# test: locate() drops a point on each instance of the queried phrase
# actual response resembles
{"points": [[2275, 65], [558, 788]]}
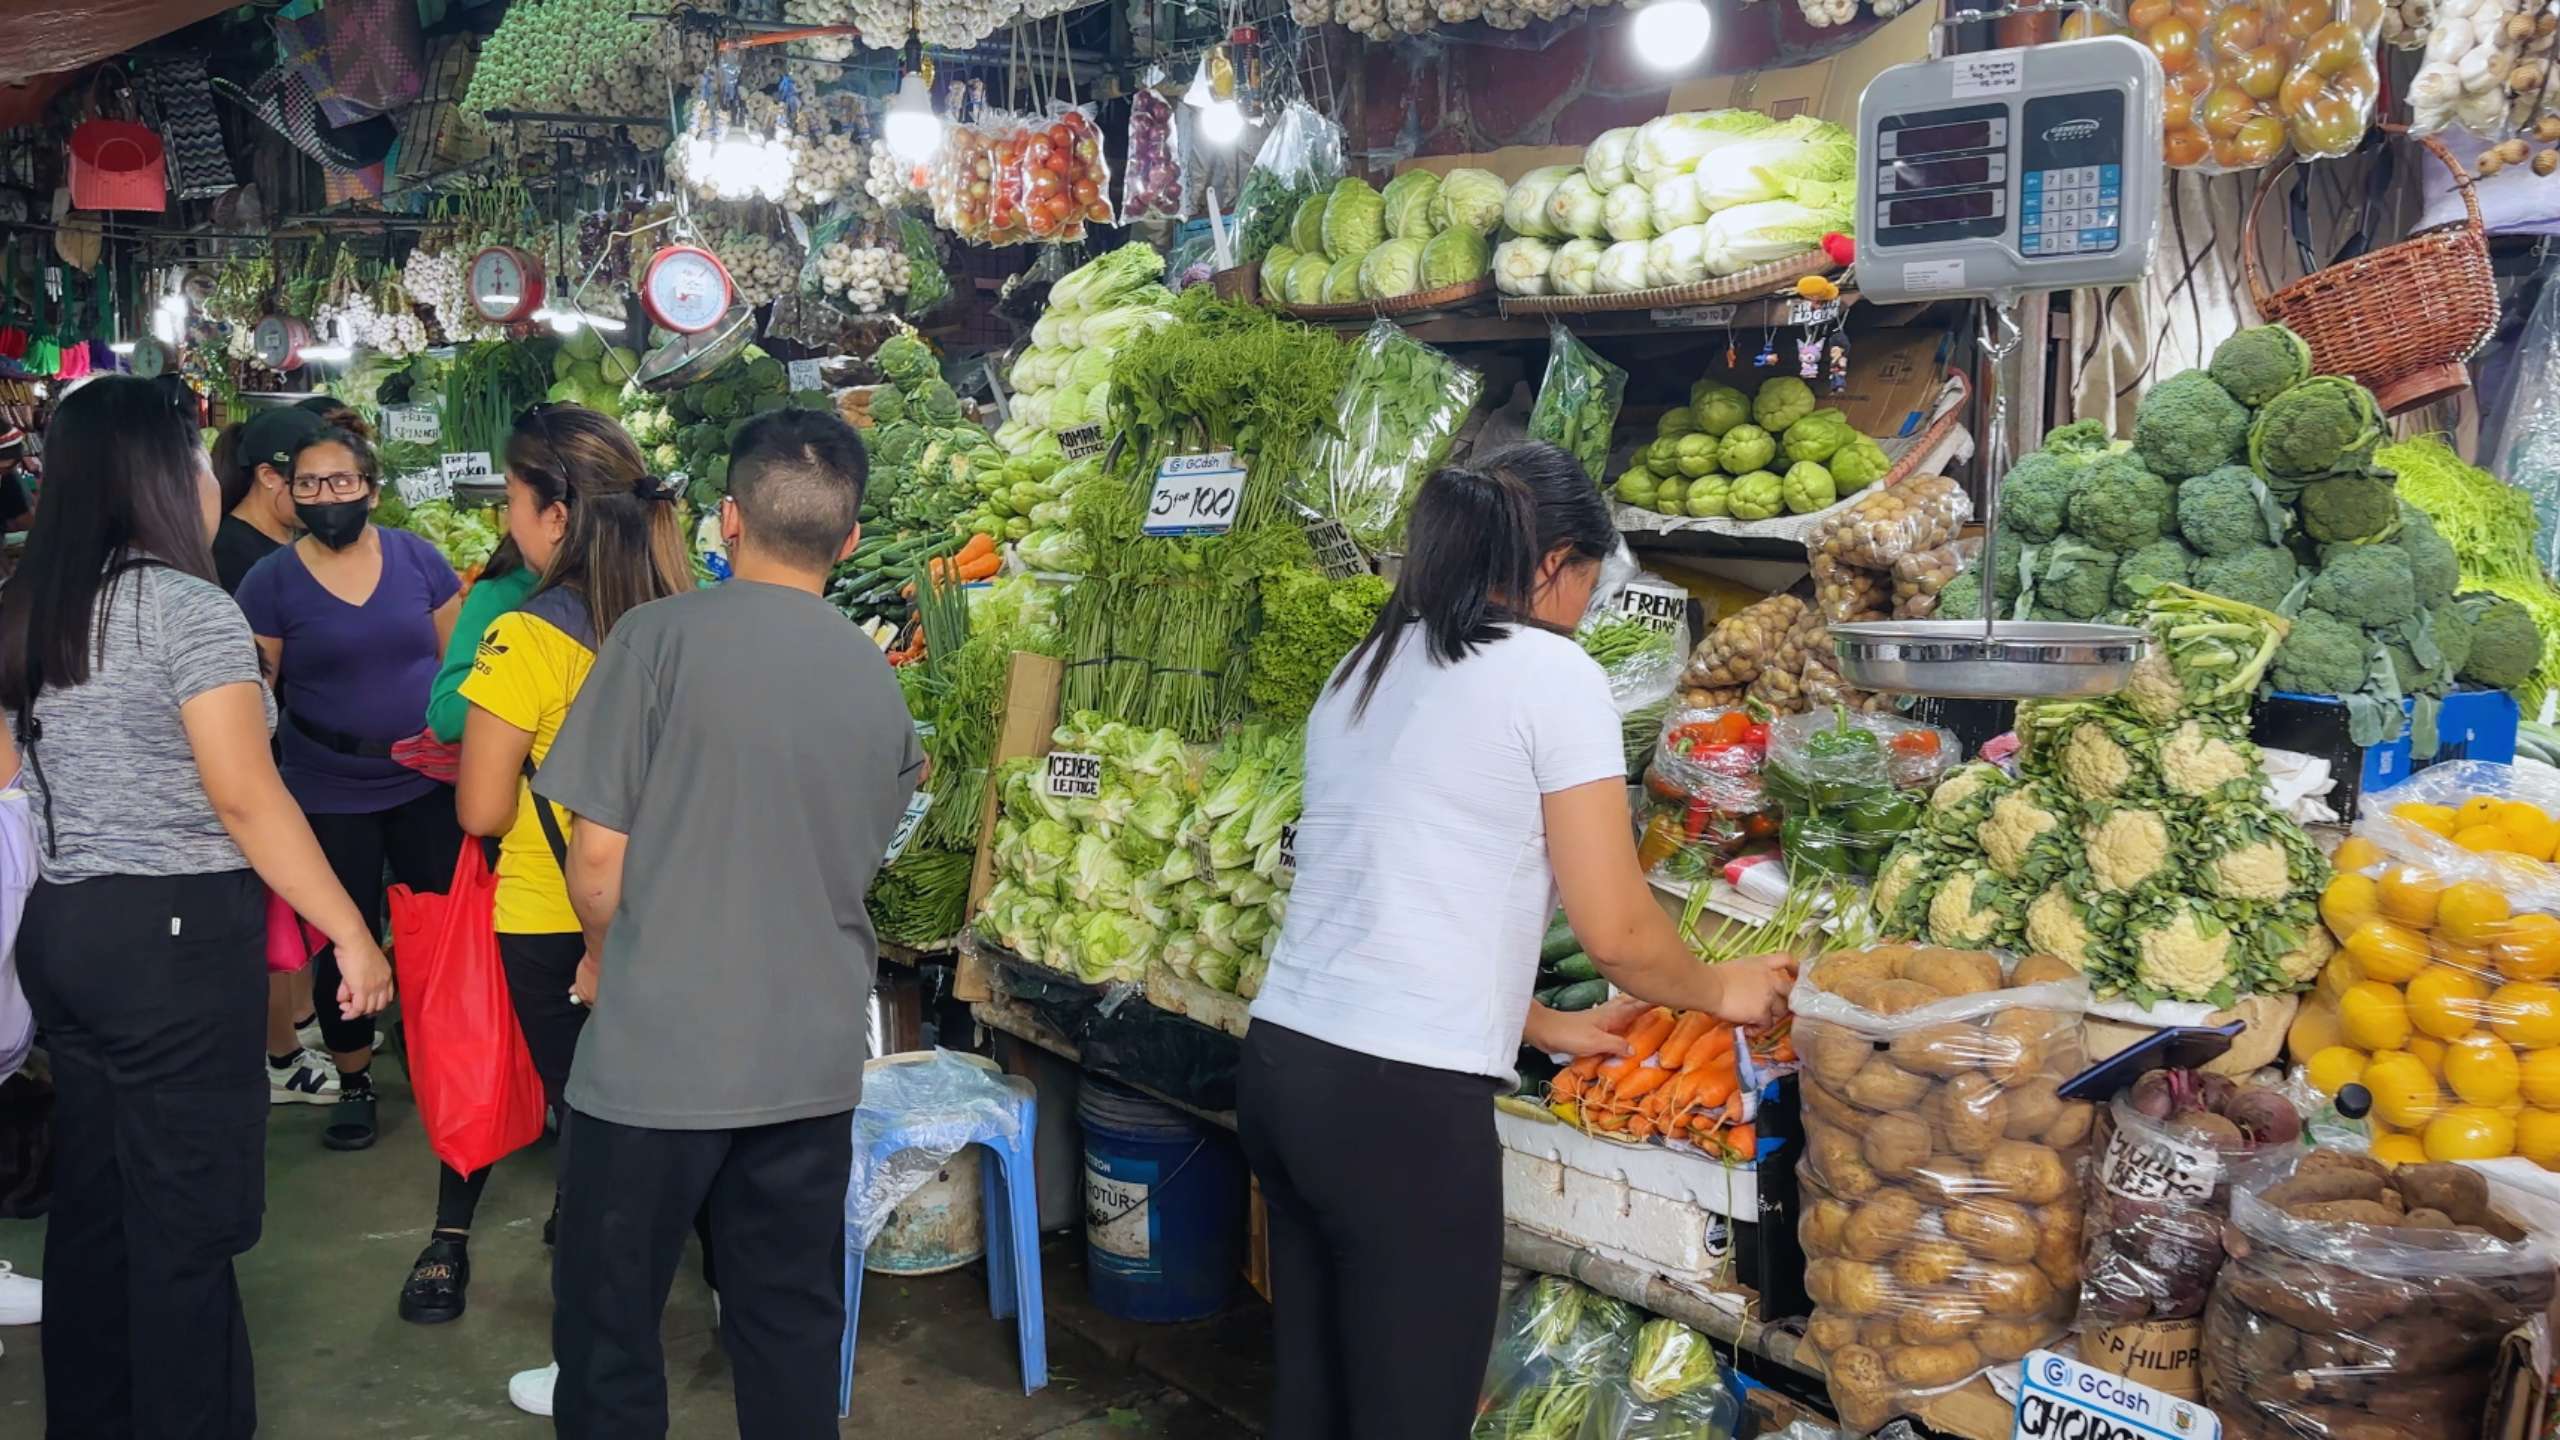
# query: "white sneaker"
{"points": [[308, 1033], [306, 1079], [530, 1390], [21, 1297]]}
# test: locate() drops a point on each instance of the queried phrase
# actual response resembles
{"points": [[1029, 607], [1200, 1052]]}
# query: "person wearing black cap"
{"points": [[253, 459]]}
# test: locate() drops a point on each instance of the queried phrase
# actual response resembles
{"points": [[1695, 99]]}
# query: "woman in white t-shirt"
{"points": [[1463, 767]]}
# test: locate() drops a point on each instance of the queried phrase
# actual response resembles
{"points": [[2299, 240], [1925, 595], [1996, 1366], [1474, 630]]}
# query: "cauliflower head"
{"points": [[2302, 964], [2197, 761], [1968, 788], [1901, 892], [2154, 691], [2181, 950], [2126, 847], [1970, 909], [2056, 926], [2092, 763], [2258, 870], [2019, 820]]}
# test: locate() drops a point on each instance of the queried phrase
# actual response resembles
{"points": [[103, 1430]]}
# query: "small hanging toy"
{"points": [[1839, 362]]}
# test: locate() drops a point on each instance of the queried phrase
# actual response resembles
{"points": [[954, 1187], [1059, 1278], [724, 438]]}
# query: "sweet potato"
{"points": [[2459, 1192], [1953, 972]]}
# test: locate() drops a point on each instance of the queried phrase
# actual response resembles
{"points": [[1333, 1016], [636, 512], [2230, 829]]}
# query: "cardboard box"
{"points": [[1829, 87], [1510, 162], [1894, 379], [2163, 1354], [1031, 685], [2520, 1388]]}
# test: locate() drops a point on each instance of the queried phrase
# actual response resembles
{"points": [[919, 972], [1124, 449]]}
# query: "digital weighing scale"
{"points": [[2001, 175]]}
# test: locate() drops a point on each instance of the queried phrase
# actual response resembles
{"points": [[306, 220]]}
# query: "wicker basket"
{"points": [[1759, 280], [1443, 298], [2402, 320]]}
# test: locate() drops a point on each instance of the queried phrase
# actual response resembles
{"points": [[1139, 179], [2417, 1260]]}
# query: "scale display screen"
{"points": [[2002, 170]]}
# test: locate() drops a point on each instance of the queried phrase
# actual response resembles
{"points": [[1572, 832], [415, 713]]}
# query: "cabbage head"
{"points": [[1468, 200], [1355, 221], [1627, 213], [1605, 160], [1521, 265], [1342, 282], [1408, 200], [1393, 269], [1768, 166], [1766, 231], [1524, 209], [1306, 279], [1677, 257], [1576, 268], [1275, 272], [1306, 228], [1575, 208], [1622, 267], [1674, 202], [1674, 144], [1454, 257]]}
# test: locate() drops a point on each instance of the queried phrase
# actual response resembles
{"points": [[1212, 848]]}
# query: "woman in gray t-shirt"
{"points": [[131, 685]]}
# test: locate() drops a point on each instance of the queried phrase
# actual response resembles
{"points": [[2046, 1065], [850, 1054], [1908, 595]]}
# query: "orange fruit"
{"points": [[2373, 1016], [2469, 1132], [2408, 896], [2536, 834], [2482, 1070], [2428, 1049], [2341, 972], [2477, 810], [2355, 853], [2526, 1013], [2399, 1150], [2314, 1027], [2387, 952], [2528, 947], [2349, 900], [2404, 1094], [2485, 839], [2470, 912], [2436, 818], [2541, 1079], [2332, 1069], [2538, 1137], [2445, 1002]]}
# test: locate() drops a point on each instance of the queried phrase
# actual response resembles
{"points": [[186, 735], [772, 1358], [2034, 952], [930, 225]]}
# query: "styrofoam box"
{"points": [[1651, 1206]]}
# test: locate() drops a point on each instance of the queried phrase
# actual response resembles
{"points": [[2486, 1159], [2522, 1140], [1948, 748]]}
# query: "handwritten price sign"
{"points": [[1195, 495]]}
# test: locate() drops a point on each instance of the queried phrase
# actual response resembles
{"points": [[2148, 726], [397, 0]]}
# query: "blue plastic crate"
{"points": [[2470, 725]]}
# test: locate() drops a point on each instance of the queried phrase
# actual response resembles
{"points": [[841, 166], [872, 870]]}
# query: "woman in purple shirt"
{"points": [[352, 621]]}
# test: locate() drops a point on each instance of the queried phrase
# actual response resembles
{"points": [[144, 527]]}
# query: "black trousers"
{"points": [[776, 1199], [539, 971], [419, 840], [151, 993], [1386, 1240]]}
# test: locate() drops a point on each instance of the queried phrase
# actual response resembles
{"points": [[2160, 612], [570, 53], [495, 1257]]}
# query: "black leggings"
{"points": [[419, 840], [1386, 1240], [539, 971]]}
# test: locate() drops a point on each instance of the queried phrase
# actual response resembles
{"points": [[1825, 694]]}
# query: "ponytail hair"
{"points": [[1478, 536]]}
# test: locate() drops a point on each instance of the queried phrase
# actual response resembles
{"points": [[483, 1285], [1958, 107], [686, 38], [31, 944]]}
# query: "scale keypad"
{"points": [[2071, 210]]}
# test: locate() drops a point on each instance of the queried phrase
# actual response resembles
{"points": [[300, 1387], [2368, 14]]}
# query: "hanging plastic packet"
{"points": [[1151, 178], [1066, 183], [1577, 401], [1302, 157], [1395, 423]]}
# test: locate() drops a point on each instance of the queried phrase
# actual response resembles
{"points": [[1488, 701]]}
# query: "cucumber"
{"points": [[1577, 966], [1547, 997], [1558, 942], [1580, 996]]}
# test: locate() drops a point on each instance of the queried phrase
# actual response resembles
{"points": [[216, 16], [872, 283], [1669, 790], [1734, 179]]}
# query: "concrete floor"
{"points": [[334, 1360]]}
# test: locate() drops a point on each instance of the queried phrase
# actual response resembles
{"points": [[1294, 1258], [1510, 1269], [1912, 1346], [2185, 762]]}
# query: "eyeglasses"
{"points": [[345, 484]]}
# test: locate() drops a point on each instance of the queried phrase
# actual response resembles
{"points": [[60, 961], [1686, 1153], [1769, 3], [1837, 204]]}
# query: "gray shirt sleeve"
{"points": [[600, 760], [203, 639]]}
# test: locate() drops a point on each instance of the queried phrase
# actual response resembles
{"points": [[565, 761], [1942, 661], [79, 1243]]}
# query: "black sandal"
{"points": [[351, 1122], [437, 1281]]}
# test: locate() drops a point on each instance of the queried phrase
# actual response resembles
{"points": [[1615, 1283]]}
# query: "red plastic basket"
{"points": [[118, 165]]}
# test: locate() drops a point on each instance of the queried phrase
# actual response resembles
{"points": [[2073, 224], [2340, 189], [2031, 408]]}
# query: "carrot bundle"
{"points": [[1681, 1079]]}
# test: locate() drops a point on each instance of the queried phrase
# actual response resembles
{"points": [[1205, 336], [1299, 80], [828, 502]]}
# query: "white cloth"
{"points": [[1422, 880]]}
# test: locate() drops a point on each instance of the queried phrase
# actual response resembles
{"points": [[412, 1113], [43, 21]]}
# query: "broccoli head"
{"points": [[2036, 494], [2226, 509], [2261, 575], [2121, 506], [888, 406], [2411, 676], [2365, 585], [2161, 560], [2012, 557], [2452, 628], [2076, 582], [1961, 597], [2321, 655], [2348, 507], [2322, 426], [2260, 363], [2505, 645], [2433, 567], [2080, 437], [2187, 425], [904, 359]]}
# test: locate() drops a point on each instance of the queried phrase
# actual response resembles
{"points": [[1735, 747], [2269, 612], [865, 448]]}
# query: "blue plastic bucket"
{"points": [[1164, 1207]]}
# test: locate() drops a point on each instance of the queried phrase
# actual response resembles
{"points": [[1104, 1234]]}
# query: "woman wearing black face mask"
{"points": [[352, 621]]}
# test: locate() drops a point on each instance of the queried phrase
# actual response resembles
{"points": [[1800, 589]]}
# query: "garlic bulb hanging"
{"points": [[761, 269], [862, 276]]}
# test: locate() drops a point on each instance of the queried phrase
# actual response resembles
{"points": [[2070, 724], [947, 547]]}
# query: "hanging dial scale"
{"points": [[685, 289], [505, 284]]}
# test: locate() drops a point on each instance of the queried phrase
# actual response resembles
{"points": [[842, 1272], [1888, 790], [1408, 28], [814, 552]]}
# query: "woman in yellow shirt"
{"points": [[602, 532]]}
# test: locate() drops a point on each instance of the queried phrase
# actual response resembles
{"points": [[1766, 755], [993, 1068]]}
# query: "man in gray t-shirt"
{"points": [[736, 762]]}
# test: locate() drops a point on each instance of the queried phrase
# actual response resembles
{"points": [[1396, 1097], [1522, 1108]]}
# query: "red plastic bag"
{"points": [[474, 1079]]}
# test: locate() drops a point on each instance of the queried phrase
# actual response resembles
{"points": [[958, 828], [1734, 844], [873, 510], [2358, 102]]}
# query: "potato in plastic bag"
{"points": [[1921, 574], [1743, 643], [1845, 592], [1888, 522]]}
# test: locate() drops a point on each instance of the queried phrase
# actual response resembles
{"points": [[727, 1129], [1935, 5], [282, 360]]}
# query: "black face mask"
{"points": [[336, 524]]}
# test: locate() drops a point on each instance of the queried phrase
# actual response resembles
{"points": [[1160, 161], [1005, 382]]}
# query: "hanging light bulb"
{"points": [[913, 131], [1221, 122], [1671, 33]]}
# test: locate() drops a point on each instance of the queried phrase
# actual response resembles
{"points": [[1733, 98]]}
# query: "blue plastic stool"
{"points": [[1012, 1206]]}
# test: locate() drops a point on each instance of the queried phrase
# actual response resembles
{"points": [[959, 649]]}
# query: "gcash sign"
{"points": [[2062, 1399]]}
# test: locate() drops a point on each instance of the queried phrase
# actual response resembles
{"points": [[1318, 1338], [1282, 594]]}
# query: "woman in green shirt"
{"points": [[505, 580]]}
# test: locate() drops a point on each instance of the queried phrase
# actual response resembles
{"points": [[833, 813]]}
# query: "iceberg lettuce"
{"points": [[1469, 200]]}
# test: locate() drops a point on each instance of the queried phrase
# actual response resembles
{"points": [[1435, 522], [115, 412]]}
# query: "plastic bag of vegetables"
{"points": [[1299, 160], [1577, 401], [1397, 416], [1558, 1342], [1151, 179]]}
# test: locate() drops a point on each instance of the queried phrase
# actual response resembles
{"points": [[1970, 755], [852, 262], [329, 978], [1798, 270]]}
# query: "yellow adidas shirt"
{"points": [[530, 665]]}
